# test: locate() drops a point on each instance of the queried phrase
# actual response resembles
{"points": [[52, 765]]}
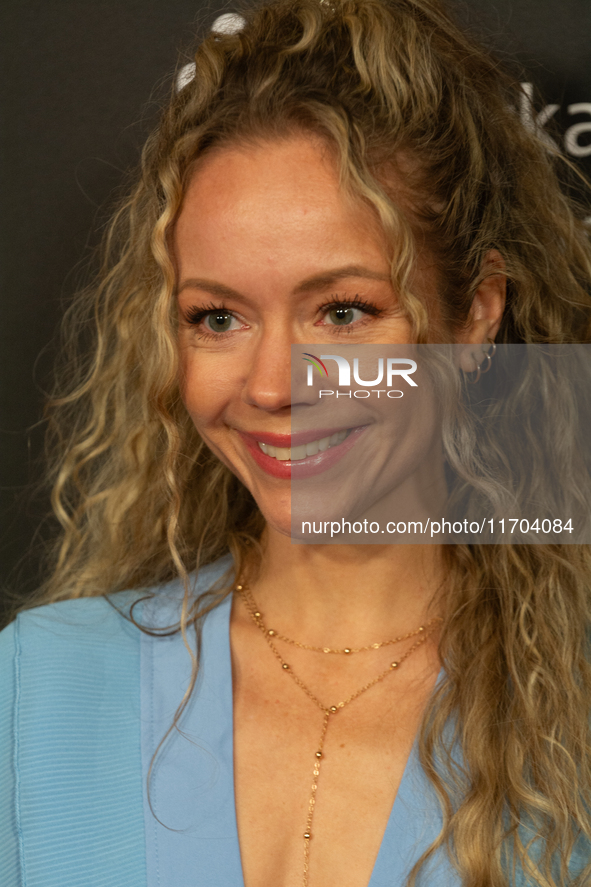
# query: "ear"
{"points": [[486, 312]]}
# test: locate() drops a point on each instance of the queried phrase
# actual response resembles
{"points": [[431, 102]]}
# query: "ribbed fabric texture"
{"points": [[71, 810], [9, 847]]}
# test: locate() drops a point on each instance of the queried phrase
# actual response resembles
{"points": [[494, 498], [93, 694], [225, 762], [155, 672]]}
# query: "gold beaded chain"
{"points": [[252, 609], [328, 710]]}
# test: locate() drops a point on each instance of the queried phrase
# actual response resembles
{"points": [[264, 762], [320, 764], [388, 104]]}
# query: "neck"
{"points": [[346, 594]]}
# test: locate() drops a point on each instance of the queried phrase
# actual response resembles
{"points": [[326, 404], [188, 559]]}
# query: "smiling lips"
{"points": [[303, 454], [295, 454]]}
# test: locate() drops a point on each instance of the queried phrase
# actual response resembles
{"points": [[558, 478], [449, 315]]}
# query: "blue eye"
{"points": [[219, 321], [343, 312], [212, 320], [344, 315]]}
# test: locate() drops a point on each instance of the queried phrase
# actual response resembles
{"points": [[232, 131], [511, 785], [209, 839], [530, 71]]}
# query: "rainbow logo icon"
{"points": [[315, 362]]}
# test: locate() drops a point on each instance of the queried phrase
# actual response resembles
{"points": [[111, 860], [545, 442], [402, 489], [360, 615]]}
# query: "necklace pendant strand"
{"points": [[270, 635], [312, 801]]}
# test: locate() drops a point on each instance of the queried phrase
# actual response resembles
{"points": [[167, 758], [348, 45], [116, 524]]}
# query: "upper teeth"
{"points": [[292, 454]]}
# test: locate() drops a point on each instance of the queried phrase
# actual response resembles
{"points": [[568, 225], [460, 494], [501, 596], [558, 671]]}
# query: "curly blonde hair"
{"points": [[141, 499]]}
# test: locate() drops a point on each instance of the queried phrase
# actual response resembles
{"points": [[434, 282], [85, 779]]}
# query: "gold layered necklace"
{"points": [[329, 711]]}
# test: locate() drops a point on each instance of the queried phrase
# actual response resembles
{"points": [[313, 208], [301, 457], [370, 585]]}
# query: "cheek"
{"points": [[208, 389], [201, 399]]}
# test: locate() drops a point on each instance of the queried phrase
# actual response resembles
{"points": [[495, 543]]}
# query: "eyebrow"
{"points": [[316, 281]]}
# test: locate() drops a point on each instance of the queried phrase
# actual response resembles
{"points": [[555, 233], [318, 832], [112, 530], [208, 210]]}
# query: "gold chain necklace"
{"points": [[328, 710], [254, 612]]}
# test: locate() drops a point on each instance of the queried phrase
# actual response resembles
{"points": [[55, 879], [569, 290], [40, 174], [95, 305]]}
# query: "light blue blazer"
{"points": [[85, 698]]}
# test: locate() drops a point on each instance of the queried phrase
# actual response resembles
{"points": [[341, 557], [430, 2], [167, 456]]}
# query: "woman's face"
{"points": [[270, 252]]}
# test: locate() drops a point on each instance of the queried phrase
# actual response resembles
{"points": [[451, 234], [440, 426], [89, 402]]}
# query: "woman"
{"points": [[352, 171]]}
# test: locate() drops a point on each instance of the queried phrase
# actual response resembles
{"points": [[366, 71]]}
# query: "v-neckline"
{"points": [[193, 778]]}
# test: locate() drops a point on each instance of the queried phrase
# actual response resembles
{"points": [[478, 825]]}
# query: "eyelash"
{"points": [[357, 302], [194, 315]]}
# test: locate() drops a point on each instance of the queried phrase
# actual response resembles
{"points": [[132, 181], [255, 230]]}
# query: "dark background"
{"points": [[81, 85]]}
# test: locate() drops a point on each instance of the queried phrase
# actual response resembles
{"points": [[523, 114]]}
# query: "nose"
{"points": [[268, 379], [269, 384]]}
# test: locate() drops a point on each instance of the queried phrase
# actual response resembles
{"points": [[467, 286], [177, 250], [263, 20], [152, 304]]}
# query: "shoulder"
{"points": [[68, 636], [63, 663], [70, 737], [59, 638], [87, 647], [163, 608]]}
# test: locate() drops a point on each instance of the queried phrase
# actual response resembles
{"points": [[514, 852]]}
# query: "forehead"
{"points": [[278, 203], [265, 169]]}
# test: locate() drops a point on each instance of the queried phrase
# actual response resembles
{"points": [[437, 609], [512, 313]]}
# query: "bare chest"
{"points": [[277, 734]]}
